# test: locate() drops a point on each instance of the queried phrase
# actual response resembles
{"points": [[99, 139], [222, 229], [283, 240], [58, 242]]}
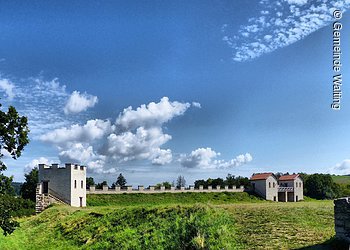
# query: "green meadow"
{"points": [[178, 221]]}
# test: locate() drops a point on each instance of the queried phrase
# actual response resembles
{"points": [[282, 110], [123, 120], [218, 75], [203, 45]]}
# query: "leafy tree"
{"points": [[321, 186], [230, 180], [6, 185], [13, 138], [166, 184], [28, 189], [242, 181], [100, 185], [121, 181], [180, 182], [198, 183], [90, 182], [7, 205]]}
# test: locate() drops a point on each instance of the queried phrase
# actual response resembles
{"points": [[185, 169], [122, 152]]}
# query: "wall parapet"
{"points": [[342, 218], [152, 190]]}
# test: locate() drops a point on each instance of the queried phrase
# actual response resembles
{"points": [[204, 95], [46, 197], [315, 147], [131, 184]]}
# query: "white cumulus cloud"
{"points": [[206, 158], [35, 163], [152, 114], [79, 102], [137, 134], [92, 130]]}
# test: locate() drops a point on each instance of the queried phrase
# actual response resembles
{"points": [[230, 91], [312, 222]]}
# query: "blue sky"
{"points": [[154, 89]]}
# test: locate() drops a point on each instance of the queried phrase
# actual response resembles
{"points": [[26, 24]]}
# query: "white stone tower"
{"points": [[61, 184]]}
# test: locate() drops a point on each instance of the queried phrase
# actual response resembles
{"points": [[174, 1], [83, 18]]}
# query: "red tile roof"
{"points": [[260, 176], [290, 177]]}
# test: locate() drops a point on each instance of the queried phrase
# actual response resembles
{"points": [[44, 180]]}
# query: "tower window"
{"points": [[75, 183], [82, 184], [269, 184]]}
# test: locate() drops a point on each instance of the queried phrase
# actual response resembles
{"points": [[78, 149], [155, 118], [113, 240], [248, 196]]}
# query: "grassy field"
{"points": [[341, 179], [177, 221]]}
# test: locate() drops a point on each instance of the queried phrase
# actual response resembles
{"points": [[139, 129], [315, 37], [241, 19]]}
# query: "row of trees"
{"points": [[230, 181], [121, 181]]}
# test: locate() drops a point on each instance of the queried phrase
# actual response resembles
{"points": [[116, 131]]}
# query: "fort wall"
{"points": [[342, 218], [153, 190]]}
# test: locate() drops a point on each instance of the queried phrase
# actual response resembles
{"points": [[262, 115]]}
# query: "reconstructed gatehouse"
{"points": [[285, 188]]}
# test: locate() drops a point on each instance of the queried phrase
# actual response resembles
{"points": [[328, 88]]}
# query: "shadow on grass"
{"points": [[332, 243]]}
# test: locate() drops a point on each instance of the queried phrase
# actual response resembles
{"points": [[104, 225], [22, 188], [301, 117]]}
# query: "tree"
{"points": [[230, 180], [121, 181], [165, 184], [28, 189], [321, 186], [100, 185], [90, 182], [180, 182], [13, 138], [6, 185]]}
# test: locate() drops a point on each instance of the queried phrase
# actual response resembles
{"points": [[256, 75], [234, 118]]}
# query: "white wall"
{"points": [[298, 191], [78, 174], [271, 190], [59, 181]]}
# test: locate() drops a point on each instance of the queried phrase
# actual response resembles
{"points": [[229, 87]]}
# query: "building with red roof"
{"points": [[285, 188]]}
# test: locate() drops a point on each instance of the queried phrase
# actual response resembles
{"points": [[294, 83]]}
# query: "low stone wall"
{"points": [[342, 218], [152, 190]]}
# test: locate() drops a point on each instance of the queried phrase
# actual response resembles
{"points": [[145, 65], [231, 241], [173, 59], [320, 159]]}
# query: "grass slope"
{"points": [[171, 227], [169, 198], [207, 221], [341, 179]]}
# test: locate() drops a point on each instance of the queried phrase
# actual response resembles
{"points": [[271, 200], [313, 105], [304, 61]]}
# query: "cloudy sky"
{"points": [[155, 89]]}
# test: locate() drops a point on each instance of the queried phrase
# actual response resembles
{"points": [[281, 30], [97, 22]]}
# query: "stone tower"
{"points": [[61, 184]]}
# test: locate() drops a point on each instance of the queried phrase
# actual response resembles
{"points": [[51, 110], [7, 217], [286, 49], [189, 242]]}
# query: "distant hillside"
{"points": [[17, 186], [341, 179]]}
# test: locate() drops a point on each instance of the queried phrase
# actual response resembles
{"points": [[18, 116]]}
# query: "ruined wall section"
{"points": [[342, 218]]}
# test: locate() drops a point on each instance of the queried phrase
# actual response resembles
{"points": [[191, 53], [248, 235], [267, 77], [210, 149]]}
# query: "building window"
{"points": [[75, 183], [82, 184], [300, 184], [269, 184], [273, 184]]}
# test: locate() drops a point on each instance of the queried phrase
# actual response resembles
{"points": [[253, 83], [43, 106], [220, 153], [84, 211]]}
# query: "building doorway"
{"points": [[296, 198], [45, 187], [81, 201]]}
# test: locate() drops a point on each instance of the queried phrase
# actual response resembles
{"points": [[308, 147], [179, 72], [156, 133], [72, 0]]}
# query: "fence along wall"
{"points": [[342, 218], [152, 190]]}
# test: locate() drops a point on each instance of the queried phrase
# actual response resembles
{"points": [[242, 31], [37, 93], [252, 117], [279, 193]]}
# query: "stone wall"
{"points": [[42, 201], [152, 190], [342, 218]]}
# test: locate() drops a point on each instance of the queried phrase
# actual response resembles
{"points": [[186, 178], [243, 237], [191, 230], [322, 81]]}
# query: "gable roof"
{"points": [[290, 177], [261, 176]]}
